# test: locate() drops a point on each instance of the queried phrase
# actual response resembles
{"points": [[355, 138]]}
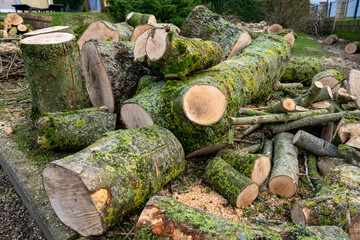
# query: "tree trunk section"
{"points": [[74, 130], [111, 72], [353, 47], [329, 78], [52, 63], [254, 166], [13, 19], [325, 164], [331, 39], [350, 154], [92, 190], [337, 203], [140, 29], [239, 190], [251, 112], [301, 71], [354, 85], [284, 175], [175, 56], [280, 86], [134, 19], [204, 24]]}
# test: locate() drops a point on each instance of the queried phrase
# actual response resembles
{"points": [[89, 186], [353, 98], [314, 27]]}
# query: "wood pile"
{"points": [[178, 92], [13, 25]]}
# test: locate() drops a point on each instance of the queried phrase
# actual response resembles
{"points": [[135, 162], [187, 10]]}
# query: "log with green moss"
{"points": [[280, 86], [93, 189], [313, 172], [353, 47], [325, 164], [175, 56], [106, 31], [337, 203], [350, 154], [134, 19], [74, 130], [333, 38], [111, 73], [238, 189], [329, 77], [254, 166], [53, 69], [301, 71], [166, 218], [196, 109], [284, 175], [204, 24]]}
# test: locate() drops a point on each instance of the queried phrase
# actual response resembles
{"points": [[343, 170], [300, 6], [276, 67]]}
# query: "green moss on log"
{"points": [[134, 19], [301, 70], [314, 175]]}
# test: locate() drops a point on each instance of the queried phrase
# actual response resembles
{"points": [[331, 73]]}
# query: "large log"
{"points": [[175, 56], [111, 73], [93, 189], [329, 78], [284, 175], [204, 24], [350, 154], [254, 166], [338, 202], [239, 190], [74, 130], [301, 70], [166, 218], [106, 31], [134, 19], [353, 47], [53, 69]]}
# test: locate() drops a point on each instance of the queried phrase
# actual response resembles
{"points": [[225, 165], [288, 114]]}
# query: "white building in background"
{"points": [[5, 5]]}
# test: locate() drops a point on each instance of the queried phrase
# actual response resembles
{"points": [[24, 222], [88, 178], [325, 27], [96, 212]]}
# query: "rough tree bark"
{"points": [[111, 73], [350, 154], [314, 175], [74, 130], [52, 63], [93, 189], [300, 70]]}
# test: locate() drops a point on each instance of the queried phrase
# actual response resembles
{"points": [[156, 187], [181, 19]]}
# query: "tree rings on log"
{"points": [[331, 39], [275, 28], [329, 78], [290, 38], [350, 134], [103, 30], [353, 47], [46, 30], [13, 19], [139, 30]]}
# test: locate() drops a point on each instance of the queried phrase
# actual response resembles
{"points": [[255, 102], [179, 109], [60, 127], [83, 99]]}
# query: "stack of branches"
{"points": [[12, 26], [11, 62]]}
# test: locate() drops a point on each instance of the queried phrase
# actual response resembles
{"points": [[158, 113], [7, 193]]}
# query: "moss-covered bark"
{"points": [[350, 154], [331, 39], [301, 70], [55, 76], [314, 175], [337, 203], [93, 189], [75, 130], [134, 19], [166, 218]]}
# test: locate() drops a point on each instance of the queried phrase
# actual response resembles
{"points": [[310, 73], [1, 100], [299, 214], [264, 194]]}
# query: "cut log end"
{"points": [[351, 48], [289, 104], [328, 41], [283, 186], [297, 136], [261, 170], [140, 45], [50, 38], [22, 28], [350, 134], [152, 19], [97, 81], [46, 30], [72, 201], [275, 28], [134, 116], [290, 38], [139, 30], [204, 104], [13, 19], [247, 196], [297, 214], [157, 43], [243, 41]]}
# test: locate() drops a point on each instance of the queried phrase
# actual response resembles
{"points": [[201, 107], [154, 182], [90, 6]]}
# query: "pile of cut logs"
{"points": [[13, 26], [178, 91], [351, 48]]}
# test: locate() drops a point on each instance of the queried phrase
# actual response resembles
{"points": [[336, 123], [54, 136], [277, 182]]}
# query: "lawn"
{"points": [[306, 46]]}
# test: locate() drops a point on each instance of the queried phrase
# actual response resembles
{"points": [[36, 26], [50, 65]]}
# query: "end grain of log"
{"points": [[325, 164], [275, 28], [13, 19], [46, 30], [353, 47], [350, 134], [329, 78], [283, 106], [331, 39]]}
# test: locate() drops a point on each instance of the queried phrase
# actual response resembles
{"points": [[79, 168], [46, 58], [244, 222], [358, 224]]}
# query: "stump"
{"points": [[93, 189], [52, 63]]}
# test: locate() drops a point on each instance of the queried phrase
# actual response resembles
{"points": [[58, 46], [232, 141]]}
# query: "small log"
{"points": [[284, 175], [354, 85], [268, 151], [92, 190], [248, 131], [310, 97], [103, 30], [134, 19], [350, 134], [314, 175], [175, 56], [353, 47], [47, 30], [290, 38], [254, 166], [111, 73], [52, 61], [251, 149], [325, 94], [324, 105], [74, 130], [13, 32], [251, 112], [331, 39], [283, 106], [350, 154], [342, 96], [160, 219], [239, 190], [301, 71], [13, 19], [275, 28], [325, 164], [315, 145], [204, 24], [329, 78], [279, 86], [337, 202], [21, 28], [140, 29], [281, 117]]}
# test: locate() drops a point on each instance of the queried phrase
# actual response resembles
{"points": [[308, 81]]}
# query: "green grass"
{"points": [[307, 46]]}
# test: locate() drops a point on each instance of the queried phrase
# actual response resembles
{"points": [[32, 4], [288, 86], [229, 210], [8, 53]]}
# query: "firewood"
{"points": [[21, 28], [204, 24], [343, 96], [331, 39], [55, 66], [314, 175], [93, 189], [279, 86], [74, 130], [254, 166], [175, 56], [329, 78], [315, 145], [251, 149], [103, 30], [350, 134], [268, 151], [353, 47], [134, 19], [13, 19], [160, 219], [301, 71], [111, 73], [337, 202], [47, 30], [354, 85], [239, 190], [325, 94], [284, 175], [139, 30], [275, 28], [325, 164], [310, 97]]}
